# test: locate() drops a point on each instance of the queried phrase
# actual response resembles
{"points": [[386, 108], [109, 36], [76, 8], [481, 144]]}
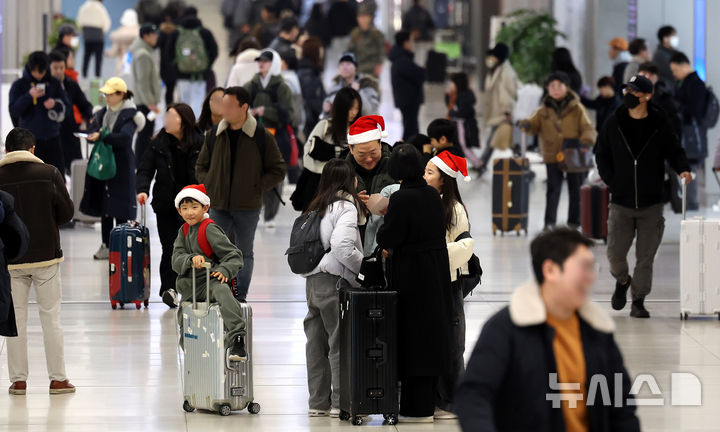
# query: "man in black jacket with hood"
{"points": [[407, 82], [630, 152]]}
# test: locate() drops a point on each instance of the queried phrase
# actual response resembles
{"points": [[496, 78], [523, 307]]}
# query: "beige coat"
{"points": [[573, 123], [459, 252], [500, 93]]}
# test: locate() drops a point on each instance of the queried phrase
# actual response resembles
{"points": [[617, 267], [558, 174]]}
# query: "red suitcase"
{"points": [[594, 210]]}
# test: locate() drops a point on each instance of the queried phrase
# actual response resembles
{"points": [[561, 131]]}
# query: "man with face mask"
{"points": [[631, 150], [667, 47]]}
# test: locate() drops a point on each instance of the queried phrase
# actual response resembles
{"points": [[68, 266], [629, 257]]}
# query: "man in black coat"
{"points": [[407, 82], [14, 241], [691, 97], [70, 143], [550, 334], [631, 151]]}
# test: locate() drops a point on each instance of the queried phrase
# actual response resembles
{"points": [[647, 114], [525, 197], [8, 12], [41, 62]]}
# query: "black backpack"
{"points": [[306, 249], [712, 110], [471, 280]]}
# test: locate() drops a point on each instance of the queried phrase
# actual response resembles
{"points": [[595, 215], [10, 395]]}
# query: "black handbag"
{"points": [[372, 272], [574, 158], [468, 282]]}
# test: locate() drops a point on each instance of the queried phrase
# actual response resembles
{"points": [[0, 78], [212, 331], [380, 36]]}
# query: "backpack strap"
{"points": [[202, 236]]}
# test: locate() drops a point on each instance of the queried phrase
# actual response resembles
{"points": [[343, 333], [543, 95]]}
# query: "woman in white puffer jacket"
{"points": [[342, 212]]}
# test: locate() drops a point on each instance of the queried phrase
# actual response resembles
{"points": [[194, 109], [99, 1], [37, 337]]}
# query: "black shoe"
{"points": [[237, 352], [619, 297], [638, 309], [170, 298]]}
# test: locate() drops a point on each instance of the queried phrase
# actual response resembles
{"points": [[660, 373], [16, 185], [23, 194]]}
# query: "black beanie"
{"points": [[501, 52]]}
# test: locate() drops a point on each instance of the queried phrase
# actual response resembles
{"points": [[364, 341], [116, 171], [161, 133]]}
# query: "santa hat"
{"points": [[453, 166], [366, 129], [196, 192]]}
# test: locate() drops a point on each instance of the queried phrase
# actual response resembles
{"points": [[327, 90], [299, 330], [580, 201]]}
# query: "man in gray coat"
{"points": [[147, 83]]}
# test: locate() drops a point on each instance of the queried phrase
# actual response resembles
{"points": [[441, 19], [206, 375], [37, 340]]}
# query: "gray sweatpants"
{"points": [[322, 350], [625, 224]]}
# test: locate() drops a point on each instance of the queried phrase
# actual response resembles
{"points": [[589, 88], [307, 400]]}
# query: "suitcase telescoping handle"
{"points": [[143, 213], [684, 197], [206, 266]]}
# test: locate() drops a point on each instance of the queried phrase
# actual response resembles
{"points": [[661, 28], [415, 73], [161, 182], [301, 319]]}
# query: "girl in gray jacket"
{"points": [[342, 212]]}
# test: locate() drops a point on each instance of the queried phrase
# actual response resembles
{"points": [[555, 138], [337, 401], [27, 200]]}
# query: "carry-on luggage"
{"points": [[594, 210], [130, 263], [511, 193], [699, 269], [78, 169], [436, 66], [368, 355], [212, 382]]}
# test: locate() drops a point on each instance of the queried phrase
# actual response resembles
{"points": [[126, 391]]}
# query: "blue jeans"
{"points": [[240, 225]]}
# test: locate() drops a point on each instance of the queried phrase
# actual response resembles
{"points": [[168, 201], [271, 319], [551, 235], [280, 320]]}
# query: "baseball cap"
{"points": [[66, 29], [619, 43], [640, 84], [114, 85], [265, 56], [348, 56], [148, 28]]}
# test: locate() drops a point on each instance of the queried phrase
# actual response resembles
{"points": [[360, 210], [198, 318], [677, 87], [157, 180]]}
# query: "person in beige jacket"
{"points": [[501, 88], [441, 172], [561, 117]]}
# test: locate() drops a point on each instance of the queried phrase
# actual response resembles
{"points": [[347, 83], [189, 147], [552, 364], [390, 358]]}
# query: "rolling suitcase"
{"points": [[594, 210], [130, 263], [211, 381], [368, 355], [436, 66], [78, 169], [699, 270], [511, 193]]}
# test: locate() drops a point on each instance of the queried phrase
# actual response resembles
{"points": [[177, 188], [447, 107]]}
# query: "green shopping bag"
{"points": [[102, 160]]}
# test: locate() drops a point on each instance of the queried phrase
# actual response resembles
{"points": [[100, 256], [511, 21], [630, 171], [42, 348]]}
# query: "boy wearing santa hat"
{"points": [[201, 240]]}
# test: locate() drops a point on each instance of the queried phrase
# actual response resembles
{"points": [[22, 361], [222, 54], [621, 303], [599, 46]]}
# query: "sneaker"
{"points": [[237, 352], [318, 413], [102, 253], [441, 414], [170, 298], [18, 388], [619, 297], [270, 224], [334, 412], [638, 309], [61, 387], [403, 419]]}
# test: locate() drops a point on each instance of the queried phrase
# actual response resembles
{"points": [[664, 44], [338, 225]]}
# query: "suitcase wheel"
{"points": [[391, 419], [344, 416], [146, 303], [225, 410], [122, 305], [357, 421], [684, 316], [113, 305], [138, 305], [187, 407], [254, 408]]}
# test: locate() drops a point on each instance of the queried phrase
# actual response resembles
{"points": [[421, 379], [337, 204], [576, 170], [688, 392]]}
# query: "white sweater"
{"points": [[339, 232], [93, 14], [461, 251]]}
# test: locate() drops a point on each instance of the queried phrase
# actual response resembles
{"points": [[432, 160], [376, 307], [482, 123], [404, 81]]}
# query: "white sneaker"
{"points": [[318, 413], [441, 414], [270, 224], [102, 253], [170, 298], [335, 412], [403, 419]]}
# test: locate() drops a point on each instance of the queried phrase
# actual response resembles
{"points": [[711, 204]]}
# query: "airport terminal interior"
{"points": [[128, 368]]}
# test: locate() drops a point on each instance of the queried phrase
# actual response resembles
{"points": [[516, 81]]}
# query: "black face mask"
{"points": [[631, 101]]}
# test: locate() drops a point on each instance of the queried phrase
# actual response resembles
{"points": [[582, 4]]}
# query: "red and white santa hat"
{"points": [[196, 192], [366, 129], [453, 166]]}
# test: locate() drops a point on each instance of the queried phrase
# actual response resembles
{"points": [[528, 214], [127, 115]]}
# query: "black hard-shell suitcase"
{"points": [[368, 354], [510, 195], [436, 67]]}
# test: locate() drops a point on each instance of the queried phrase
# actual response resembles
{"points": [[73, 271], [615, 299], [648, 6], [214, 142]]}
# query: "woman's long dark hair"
{"points": [[205, 121], [187, 122], [450, 195], [338, 175], [562, 61], [344, 100]]}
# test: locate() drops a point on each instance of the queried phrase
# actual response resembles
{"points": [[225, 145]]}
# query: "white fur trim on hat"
{"points": [[194, 194], [367, 136], [442, 166]]}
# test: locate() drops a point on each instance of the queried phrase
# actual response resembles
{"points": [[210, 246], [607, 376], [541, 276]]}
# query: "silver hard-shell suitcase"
{"points": [[211, 381]]}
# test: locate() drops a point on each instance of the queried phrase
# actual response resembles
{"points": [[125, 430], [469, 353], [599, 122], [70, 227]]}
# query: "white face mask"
{"points": [[490, 62], [75, 42], [674, 41]]}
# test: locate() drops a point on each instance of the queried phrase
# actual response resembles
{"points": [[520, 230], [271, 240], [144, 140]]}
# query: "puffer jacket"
{"points": [[320, 148], [459, 252], [339, 232], [572, 123], [501, 93], [30, 113], [369, 89]]}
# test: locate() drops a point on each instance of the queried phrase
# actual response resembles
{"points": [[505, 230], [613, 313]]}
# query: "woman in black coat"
{"points": [[414, 233], [170, 160], [114, 200], [14, 241]]}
